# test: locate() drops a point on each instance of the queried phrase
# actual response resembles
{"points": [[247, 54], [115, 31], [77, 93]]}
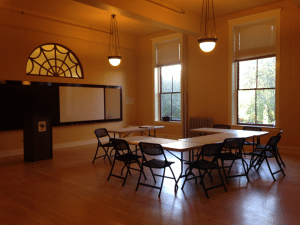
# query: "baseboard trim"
{"points": [[57, 146]]}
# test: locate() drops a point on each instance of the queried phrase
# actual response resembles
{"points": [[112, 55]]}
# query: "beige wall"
{"points": [[208, 77], [21, 34]]}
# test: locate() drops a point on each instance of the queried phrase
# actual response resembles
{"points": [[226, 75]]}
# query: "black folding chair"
{"points": [[232, 151], [151, 152], [269, 151], [208, 151], [124, 154], [253, 143], [100, 134], [261, 147], [222, 126]]}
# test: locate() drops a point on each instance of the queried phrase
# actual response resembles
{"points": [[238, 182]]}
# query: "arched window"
{"points": [[55, 61]]}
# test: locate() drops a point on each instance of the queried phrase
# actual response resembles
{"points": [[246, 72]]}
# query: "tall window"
{"points": [[256, 91], [168, 80], [255, 71]]}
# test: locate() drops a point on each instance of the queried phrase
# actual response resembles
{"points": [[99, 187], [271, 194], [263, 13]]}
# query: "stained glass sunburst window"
{"points": [[55, 61]]}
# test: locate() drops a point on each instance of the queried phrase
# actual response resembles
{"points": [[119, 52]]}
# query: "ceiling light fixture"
{"points": [[114, 56], [207, 38]]}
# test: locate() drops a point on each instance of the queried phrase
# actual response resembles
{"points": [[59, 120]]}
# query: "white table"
{"points": [[131, 129]]}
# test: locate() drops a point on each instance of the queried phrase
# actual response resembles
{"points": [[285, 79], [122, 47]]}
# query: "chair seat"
{"points": [[229, 156], [128, 157], [156, 163], [107, 144], [268, 154], [250, 143], [261, 146], [202, 164]]}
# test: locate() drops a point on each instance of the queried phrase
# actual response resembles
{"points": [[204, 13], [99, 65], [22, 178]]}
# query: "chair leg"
{"points": [[279, 164], [270, 169], [203, 185], [140, 165], [128, 166], [111, 168], [246, 170], [96, 154], [176, 186], [222, 178], [162, 182], [186, 177], [230, 166], [106, 154], [139, 177], [224, 171], [280, 159]]}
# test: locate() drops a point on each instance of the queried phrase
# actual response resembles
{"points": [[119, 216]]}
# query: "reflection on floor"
{"points": [[69, 189]]}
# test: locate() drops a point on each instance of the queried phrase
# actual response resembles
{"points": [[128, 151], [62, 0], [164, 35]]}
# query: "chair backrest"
{"points": [[279, 133], [101, 132], [211, 150], [222, 126], [252, 128], [120, 145], [272, 143], [234, 143], [151, 148]]}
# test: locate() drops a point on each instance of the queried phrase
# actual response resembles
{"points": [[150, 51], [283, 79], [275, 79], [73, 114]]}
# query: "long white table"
{"points": [[131, 129]]}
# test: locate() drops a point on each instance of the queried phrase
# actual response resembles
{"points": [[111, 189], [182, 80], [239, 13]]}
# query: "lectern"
{"points": [[37, 138]]}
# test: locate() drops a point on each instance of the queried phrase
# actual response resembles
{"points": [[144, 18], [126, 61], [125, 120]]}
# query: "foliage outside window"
{"points": [[55, 61], [256, 91], [170, 91]]}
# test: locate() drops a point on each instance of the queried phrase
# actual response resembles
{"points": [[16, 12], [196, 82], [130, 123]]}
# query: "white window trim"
{"points": [[183, 44], [232, 94]]}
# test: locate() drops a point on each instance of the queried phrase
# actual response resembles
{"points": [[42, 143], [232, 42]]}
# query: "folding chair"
{"points": [[124, 154], [261, 147], [253, 144], [232, 151], [269, 151], [209, 150], [100, 134], [151, 152]]}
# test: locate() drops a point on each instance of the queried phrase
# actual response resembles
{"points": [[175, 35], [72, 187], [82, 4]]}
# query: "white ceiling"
{"points": [[99, 17]]}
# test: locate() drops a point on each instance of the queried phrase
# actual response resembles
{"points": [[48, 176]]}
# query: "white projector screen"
{"points": [[81, 104]]}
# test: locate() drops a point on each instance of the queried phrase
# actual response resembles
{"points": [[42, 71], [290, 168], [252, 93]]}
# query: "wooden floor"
{"points": [[69, 189]]}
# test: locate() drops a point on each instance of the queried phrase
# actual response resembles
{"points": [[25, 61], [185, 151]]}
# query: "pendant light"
{"points": [[114, 56], [207, 38]]}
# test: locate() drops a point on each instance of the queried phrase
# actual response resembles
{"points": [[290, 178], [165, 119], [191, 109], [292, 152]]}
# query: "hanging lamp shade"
{"points": [[207, 38], [114, 56]]}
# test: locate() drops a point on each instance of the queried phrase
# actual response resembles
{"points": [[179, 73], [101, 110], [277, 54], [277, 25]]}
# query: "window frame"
{"points": [[232, 84], [255, 89], [159, 69]]}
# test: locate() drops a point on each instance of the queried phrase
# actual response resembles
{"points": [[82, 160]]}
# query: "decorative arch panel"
{"points": [[54, 60]]}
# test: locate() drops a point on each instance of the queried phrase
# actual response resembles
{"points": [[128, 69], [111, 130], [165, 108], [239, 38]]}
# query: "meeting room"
{"points": [[149, 112]]}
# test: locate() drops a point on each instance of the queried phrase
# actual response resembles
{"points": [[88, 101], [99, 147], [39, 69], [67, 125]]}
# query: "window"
{"points": [[256, 91], [170, 91], [254, 70], [167, 72], [54, 60]]}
